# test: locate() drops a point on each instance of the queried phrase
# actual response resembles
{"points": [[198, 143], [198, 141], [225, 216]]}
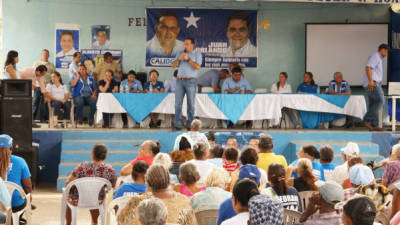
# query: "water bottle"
{"points": [[151, 88]]}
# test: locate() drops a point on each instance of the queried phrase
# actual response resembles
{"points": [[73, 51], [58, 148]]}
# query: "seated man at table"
{"points": [[84, 91], [108, 85], [236, 84], [130, 85], [211, 79], [338, 86], [154, 86]]}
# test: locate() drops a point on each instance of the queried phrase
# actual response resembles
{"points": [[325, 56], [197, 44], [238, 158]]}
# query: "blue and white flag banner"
{"points": [[221, 35]]}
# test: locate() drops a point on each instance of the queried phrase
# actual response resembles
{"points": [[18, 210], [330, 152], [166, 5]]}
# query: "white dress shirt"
{"points": [[285, 89]]}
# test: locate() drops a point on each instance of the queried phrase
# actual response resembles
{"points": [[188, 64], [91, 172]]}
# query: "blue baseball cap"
{"points": [[250, 171], [361, 174], [5, 141]]}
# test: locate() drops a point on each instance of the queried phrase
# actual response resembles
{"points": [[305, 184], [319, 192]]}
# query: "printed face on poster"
{"points": [[221, 35], [67, 43], [101, 37]]}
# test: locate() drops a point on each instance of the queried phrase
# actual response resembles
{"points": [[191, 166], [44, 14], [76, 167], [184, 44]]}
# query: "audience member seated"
{"points": [[308, 86], [189, 177], [341, 172], [311, 153], [282, 87], [152, 212], [215, 156], [58, 94], [147, 152], [129, 85], [392, 170], [232, 142], [359, 210], [211, 138], [306, 179], [211, 78], [108, 85], [211, 198], [353, 161], [242, 192], [10, 66], [247, 172], [288, 196], [84, 91], [170, 84], [180, 156], [324, 202], [138, 186], [204, 167], [338, 86], [164, 160], [236, 84], [230, 160], [194, 135], [178, 205], [22, 176], [249, 156], [108, 64], [253, 142], [359, 175], [266, 156], [96, 168], [326, 157], [154, 86], [265, 210]]}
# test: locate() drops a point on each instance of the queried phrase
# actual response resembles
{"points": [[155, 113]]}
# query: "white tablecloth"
{"points": [[263, 106]]}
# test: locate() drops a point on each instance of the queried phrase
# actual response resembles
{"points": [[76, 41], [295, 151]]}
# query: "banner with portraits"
{"points": [[101, 37], [92, 57], [221, 35], [67, 43]]}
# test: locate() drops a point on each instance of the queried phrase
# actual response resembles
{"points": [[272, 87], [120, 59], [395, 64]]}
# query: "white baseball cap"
{"points": [[351, 149]]}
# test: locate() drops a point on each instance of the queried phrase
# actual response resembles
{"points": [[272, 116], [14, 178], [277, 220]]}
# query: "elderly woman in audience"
{"points": [[243, 191], [308, 86], [306, 179], [183, 154], [178, 205], [108, 85], [215, 156], [10, 66], [230, 160], [289, 196], [189, 176], [211, 198], [265, 210], [194, 135], [154, 86], [58, 94], [360, 210], [95, 168], [163, 159], [138, 186], [204, 167], [152, 212], [392, 170], [353, 161], [359, 175], [147, 152]]}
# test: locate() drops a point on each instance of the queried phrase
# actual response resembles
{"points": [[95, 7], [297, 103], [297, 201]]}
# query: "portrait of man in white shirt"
{"points": [[66, 43]]}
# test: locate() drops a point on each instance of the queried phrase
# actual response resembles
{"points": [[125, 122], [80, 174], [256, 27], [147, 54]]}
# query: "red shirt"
{"points": [[230, 167], [148, 160]]}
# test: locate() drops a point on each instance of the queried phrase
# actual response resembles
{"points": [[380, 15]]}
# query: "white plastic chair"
{"points": [[15, 216], [291, 217], [88, 189], [7, 211], [121, 203]]}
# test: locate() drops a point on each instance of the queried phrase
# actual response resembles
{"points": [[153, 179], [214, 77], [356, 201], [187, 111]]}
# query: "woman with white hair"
{"points": [[211, 198], [152, 212], [392, 170], [201, 151], [164, 160]]}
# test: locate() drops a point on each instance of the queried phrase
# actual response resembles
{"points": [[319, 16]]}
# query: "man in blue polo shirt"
{"points": [[188, 63], [236, 84], [211, 78], [373, 85]]}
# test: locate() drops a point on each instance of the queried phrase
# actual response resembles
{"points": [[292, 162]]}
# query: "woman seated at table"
{"points": [[108, 85], [154, 86], [129, 85], [57, 92], [308, 86], [282, 87]]}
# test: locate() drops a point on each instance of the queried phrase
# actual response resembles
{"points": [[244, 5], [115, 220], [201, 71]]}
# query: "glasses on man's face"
{"points": [[163, 27], [241, 29]]}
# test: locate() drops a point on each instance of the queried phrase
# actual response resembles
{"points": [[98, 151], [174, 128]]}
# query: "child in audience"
{"points": [[138, 185], [230, 159], [189, 176]]}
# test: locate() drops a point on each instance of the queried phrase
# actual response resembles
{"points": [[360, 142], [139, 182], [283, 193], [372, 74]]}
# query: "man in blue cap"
{"points": [[5, 198]]}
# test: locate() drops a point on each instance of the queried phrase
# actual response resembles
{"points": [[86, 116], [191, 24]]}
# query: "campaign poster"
{"points": [[92, 57], [101, 37], [67, 43], [221, 35]]}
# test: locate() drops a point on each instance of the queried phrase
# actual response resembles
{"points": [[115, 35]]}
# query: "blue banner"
{"points": [[92, 57], [67, 43], [221, 35]]}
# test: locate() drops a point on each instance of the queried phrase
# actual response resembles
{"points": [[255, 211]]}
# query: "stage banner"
{"points": [[221, 35], [92, 57], [67, 43]]}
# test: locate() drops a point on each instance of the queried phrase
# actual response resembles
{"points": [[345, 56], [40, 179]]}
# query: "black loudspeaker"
{"points": [[142, 77], [30, 154], [16, 119], [16, 88]]}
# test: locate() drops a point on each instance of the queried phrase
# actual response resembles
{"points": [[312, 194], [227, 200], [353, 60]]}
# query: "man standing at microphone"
{"points": [[188, 63]]}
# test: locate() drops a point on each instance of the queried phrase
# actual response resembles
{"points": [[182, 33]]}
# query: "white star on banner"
{"points": [[192, 20]]}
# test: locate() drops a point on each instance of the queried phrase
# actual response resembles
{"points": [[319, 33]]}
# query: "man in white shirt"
{"points": [[203, 166], [73, 66], [193, 136], [238, 32], [341, 172], [66, 43]]}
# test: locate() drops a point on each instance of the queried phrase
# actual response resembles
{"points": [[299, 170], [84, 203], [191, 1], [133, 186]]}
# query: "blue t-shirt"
{"points": [[130, 189], [318, 171], [125, 87], [305, 88], [328, 170], [19, 171], [230, 84], [226, 211], [185, 69], [158, 85]]}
